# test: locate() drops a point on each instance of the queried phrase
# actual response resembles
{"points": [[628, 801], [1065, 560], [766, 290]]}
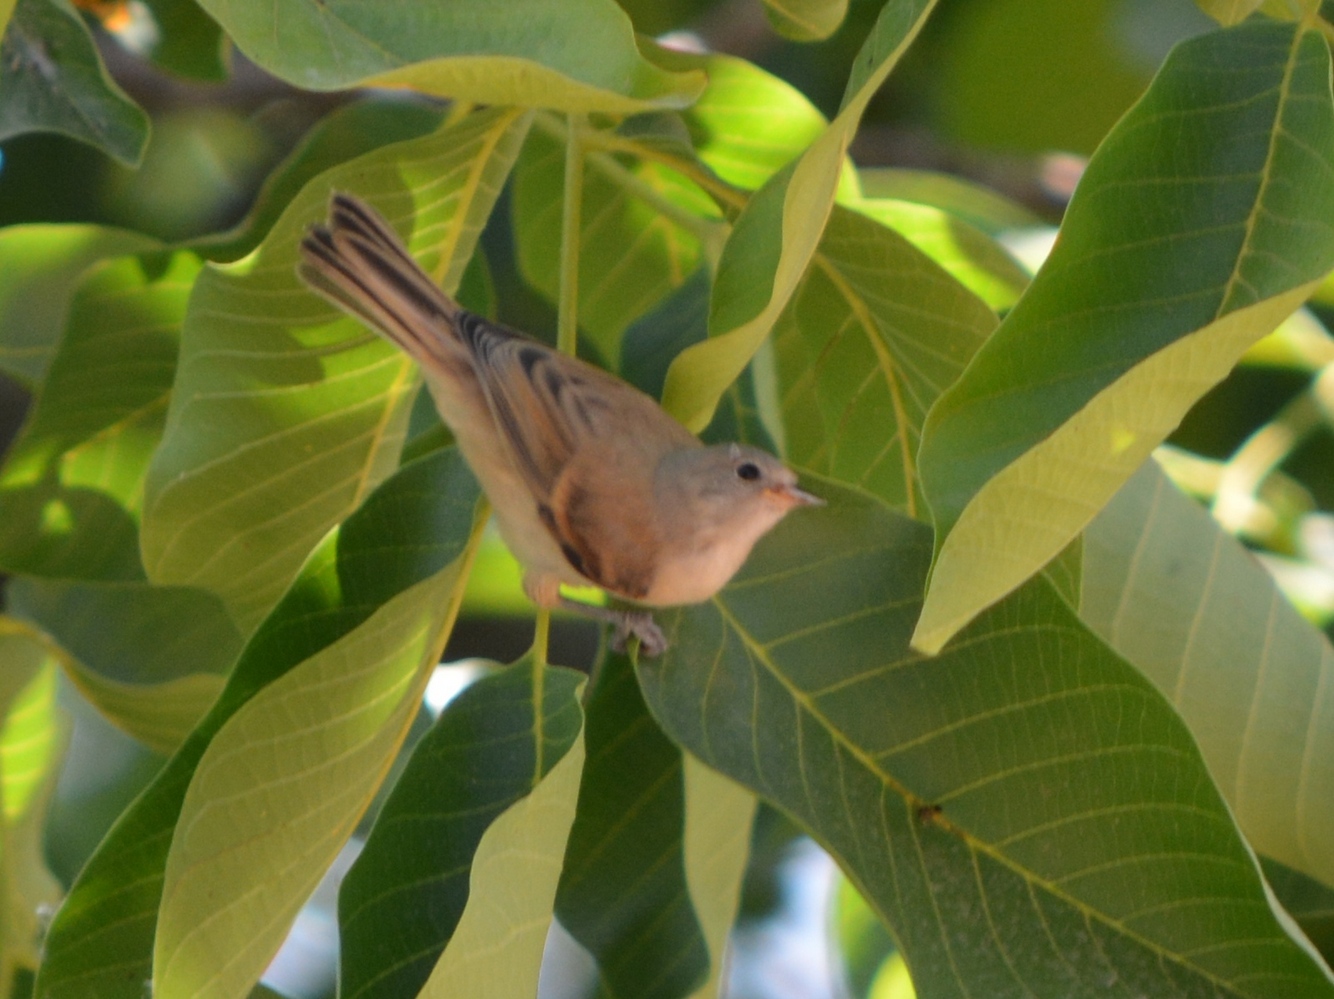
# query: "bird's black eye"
{"points": [[748, 470]]}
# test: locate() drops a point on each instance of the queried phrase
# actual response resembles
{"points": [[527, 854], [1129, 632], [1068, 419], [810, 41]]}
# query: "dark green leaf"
{"points": [[1025, 810], [52, 80]]}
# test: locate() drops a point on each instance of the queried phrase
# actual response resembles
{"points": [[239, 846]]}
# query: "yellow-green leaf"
{"points": [[285, 413], [1201, 223], [777, 233], [496, 951], [281, 787]]}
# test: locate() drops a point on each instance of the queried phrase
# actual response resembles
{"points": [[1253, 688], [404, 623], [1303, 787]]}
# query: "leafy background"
{"points": [[1049, 679]]}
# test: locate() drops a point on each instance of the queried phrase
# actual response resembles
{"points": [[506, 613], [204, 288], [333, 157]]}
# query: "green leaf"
{"points": [[403, 898], [969, 796], [1229, 12], [271, 804], [29, 734], [70, 491], [1183, 600], [403, 546], [806, 20], [777, 233], [979, 206], [150, 658], [623, 892], [496, 951], [190, 43], [347, 132], [968, 254], [749, 124], [52, 80], [572, 55], [40, 267], [630, 254], [1201, 222], [1309, 902], [32, 739], [285, 413], [720, 815], [873, 334], [863, 942]]}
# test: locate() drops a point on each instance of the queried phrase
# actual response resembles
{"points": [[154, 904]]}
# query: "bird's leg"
{"points": [[637, 623]]}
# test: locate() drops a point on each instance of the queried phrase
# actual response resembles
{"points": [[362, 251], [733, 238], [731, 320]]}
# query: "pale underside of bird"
{"points": [[591, 481]]}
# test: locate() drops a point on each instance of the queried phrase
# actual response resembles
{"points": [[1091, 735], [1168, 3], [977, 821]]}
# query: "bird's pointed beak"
{"points": [[797, 497]]}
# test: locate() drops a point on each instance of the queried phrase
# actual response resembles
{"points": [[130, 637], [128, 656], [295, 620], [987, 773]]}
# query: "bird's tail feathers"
{"points": [[359, 263]]}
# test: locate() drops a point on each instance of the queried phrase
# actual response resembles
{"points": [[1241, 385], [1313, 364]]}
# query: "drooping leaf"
{"points": [[720, 815], [1183, 600], [1025, 810], [778, 231], [1201, 222], [402, 547], [492, 747], [571, 55], [623, 892], [271, 803], [496, 951], [285, 414], [53, 80]]}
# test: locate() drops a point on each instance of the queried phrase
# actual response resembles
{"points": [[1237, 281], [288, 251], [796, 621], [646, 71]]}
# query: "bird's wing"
{"points": [[549, 407]]}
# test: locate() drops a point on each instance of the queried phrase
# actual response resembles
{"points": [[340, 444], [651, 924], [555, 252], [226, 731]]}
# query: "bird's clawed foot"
{"points": [[628, 624], [639, 624]]}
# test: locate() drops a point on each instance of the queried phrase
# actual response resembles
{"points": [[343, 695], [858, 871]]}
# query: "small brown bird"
{"points": [[591, 481]]}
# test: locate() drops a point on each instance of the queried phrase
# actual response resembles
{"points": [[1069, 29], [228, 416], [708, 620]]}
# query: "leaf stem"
{"points": [[541, 631], [597, 146], [567, 326]]}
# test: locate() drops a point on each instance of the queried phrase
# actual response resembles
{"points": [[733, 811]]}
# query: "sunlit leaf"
{"points": [[40, 267], [1183, 600], [970, 256], [719, 816], [777, 233], [979, 206], [285, 413], [401, 550], [1202, 221], [630, 254], [32, 738], [71, 489], [749, 124]]}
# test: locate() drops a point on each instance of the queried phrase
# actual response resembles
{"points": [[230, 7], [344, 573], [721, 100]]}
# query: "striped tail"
{"points": [[360, 265]]}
